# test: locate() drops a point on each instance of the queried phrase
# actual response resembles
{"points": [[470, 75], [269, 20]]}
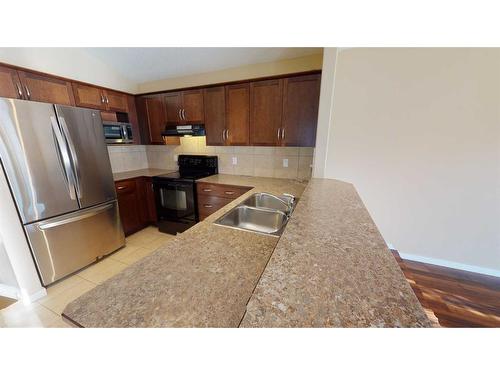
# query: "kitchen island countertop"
{"points": [[330, 267]]}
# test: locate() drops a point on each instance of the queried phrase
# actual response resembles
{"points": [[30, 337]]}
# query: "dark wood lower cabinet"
{"points": [[147, 199], [136, 203], [212, 197]]}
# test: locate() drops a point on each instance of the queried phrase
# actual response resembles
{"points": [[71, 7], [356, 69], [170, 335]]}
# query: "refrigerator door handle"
{"points": [[89, 213], [65, 158], [74, 157]]}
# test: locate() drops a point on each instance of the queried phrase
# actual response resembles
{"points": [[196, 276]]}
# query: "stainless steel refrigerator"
{"points": [[58, 168]]}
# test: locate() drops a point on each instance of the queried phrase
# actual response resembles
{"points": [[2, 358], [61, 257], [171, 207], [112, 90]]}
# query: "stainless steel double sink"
{"points": [[262, 213]]}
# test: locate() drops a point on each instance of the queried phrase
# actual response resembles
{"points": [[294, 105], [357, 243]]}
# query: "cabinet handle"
{"points": [[282, 133], [229, 192], [121, 187], [179, 114], [227, 134], [184, 113], [207, 205], [107, 100], [102, 98], [19, 91], [207, 190], [28, 93], [279, 129], [222, 135]]}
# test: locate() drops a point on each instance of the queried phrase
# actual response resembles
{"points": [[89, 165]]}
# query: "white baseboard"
{"points": [[9, 291], [447, 263]]}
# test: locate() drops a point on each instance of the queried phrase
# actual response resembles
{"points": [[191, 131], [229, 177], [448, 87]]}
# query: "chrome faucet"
{"points": [[289, 204]]}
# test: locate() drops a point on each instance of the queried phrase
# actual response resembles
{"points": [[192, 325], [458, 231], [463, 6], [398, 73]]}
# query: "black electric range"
{"points": [[175, 193]]}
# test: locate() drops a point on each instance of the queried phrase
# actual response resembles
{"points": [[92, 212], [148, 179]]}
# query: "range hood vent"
{"points": [[184, 130]]}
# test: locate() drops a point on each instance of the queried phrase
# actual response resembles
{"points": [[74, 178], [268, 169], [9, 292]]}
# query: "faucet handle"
{"points": [[291, 197]]}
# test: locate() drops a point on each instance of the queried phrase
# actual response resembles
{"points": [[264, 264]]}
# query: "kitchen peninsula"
{"points": [[330, 268]]}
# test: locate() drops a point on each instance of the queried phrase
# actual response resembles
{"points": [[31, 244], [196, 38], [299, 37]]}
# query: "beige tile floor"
{"points": [[46, 312]]}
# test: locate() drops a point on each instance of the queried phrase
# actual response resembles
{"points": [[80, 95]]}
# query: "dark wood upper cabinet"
{"points": [[47, 89], [96, 98], [89, 96], [237, 114], [192, 107], [115, 101], [173, 106], [300, 110], [215, 115], [280, 111], [155, 116], [265, 112], [10, 85], [184, 107]]}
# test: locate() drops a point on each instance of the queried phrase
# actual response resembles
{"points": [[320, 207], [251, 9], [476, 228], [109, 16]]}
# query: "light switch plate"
{"points": [[235, 160], [285, 163]]}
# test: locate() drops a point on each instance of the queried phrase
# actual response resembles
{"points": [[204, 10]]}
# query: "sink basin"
{"points": [[254, 219], [266, 200]]}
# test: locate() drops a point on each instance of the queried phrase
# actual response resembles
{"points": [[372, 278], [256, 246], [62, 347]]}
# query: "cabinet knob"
{"points": [[207, 205], [207, 190], [229, 192]]}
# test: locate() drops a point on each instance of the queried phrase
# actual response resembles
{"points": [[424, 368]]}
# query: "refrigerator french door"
{"points": [[59, 173]]}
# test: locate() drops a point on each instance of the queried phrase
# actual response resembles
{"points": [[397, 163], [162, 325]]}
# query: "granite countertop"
{"points": [[203, 278], [147, 172], [330, 267]]}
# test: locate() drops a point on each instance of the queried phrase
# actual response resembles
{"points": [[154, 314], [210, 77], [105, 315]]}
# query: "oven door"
{"points": [[175, 201]]}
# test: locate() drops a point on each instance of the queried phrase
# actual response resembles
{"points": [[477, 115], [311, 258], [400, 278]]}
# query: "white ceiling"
{"points": [[141, 65]]}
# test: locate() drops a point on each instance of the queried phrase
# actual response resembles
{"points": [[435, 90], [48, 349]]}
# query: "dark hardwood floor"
{"points": [[457, 298]]}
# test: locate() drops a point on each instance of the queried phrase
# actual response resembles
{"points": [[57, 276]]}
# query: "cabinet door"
{"points": [[88, 96], [300, 110], [173, 105], [192, 106], [155, 113], [215, 115], [265, 112], [41, 88], [238, 114], [115, 101], [10, 85], [128, 203], [150, 199]]}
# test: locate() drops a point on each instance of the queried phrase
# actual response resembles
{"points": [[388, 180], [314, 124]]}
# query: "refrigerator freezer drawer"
{"points": [[67, 243]]}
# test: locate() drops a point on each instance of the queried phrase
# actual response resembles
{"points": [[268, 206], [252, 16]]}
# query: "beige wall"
{"points": [[417, 131], [300, 64], [7, 277], [72, 63]]}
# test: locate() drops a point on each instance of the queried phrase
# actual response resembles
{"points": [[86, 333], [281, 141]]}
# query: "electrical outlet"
{"points": [[285, 163], [235, 160]]}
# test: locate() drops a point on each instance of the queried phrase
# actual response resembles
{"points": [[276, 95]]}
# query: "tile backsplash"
{"points": [[127, 158], [246, 160]]}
